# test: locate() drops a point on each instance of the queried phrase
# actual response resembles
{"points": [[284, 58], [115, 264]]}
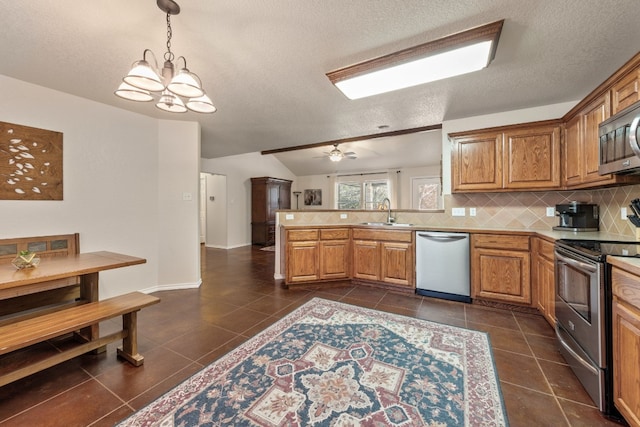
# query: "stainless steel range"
{"points": [[583, 312]]}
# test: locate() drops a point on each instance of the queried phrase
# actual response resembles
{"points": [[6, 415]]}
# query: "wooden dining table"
{"points": [[62, 271]]}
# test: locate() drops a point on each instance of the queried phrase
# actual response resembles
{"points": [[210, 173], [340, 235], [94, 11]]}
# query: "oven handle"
{"points": [[578, 264], [576, 356]]}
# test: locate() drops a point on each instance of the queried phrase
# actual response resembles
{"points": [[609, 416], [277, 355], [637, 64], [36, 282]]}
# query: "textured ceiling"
{"points": [[264, 62]]}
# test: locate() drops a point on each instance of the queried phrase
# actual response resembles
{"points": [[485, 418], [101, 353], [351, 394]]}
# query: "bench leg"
{"points": [[129, 349]]}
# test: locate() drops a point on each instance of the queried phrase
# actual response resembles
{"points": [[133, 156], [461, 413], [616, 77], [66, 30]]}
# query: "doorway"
{"points": [[213, 210]]}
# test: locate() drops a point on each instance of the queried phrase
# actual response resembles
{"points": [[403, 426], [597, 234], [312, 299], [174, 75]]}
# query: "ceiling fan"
{"points": [[336, 155]]}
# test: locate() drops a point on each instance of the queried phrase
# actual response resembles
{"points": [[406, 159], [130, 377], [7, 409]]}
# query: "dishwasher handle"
{"points": [[444, 238]]}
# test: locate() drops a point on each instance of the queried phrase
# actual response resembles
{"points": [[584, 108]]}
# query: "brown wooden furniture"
{"points": [[543, 276], [45, 247], [57, 271], [17, 335], [268, 195], [581, 145], [384, 256], [509, 158], [626, 341], [318, 254], [500, 268]]}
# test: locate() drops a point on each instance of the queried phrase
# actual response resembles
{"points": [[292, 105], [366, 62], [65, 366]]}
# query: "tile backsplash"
{"points": [[522, 210]]}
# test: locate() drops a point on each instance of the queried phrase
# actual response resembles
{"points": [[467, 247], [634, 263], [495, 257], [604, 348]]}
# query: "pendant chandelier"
{"points": [[145, 82]]}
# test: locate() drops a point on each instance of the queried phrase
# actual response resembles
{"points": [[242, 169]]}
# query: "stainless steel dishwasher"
{"points": [[442, 265]]}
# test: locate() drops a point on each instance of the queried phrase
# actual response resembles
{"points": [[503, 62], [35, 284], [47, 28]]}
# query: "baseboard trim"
{"points": [[172, 287]]}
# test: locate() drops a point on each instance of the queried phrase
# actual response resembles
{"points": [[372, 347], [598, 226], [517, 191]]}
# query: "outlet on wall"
{"points": [[551, 211], [472, 211], [288, 216], [343, 216], [623, 213]]}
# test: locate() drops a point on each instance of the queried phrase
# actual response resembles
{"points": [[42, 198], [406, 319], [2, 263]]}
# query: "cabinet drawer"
{"points": [[334, 233], [501, 241], [302, 235], [626, 286], [545, 249], [383, 235]]}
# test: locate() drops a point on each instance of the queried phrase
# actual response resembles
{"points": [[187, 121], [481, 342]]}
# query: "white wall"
{"points": [[111, 182], [178, 204], [238, 170], [547, 112]]}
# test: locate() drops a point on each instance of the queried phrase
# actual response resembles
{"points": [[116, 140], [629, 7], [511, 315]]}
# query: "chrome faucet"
{"points": [[389, 218]]}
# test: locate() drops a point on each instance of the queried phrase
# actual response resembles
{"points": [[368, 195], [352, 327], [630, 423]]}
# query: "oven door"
{"points": [[580, 301]]}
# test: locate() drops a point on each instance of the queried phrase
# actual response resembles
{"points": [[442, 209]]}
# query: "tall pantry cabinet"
{"points": [[267, 196]]}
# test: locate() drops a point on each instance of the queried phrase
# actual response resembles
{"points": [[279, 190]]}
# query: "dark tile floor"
{"points": [[237, 299]]}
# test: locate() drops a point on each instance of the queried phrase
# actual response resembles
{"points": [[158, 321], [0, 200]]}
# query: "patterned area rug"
{"points": [[333, 364]]}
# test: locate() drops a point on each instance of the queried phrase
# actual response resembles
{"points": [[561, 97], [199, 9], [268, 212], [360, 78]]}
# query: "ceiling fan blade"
{"points": [[349, 153]]}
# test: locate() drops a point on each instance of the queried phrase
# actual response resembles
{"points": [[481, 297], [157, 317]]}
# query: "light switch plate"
{"points": [[343, 216], [458, 212], [472, 211], [551, 211], [187, 196], [623, 213], [288, 216]]}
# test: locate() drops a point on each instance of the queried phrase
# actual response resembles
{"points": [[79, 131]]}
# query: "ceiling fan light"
{"points": [[171, 103], [335, 155], [143, 76], [201, 104], [131, 93], [186, 83]]}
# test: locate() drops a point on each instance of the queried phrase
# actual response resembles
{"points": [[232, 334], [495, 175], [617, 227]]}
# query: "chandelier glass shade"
{"points": [[146, 82], [335, 155]]}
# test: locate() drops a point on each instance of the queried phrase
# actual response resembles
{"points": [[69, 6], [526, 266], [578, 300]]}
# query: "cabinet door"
{"points": [[397, 263], [476, 162], [545, 281], [334, 259], [284, 193], [273, 200], [532, 158], [625, 92], [501, 275], [573, 164], [592, 116], [302, 261], [366, 260], [626, 357]]}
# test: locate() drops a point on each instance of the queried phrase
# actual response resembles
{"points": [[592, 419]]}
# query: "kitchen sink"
{"points": [[393, 224]]}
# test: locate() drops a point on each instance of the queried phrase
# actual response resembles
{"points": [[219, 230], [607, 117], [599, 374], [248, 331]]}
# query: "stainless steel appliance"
{"points": [[577, 216], [442, 265], [619, 148], [583, 312]]}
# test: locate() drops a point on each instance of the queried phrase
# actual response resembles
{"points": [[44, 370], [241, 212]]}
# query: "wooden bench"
{"points": [[23, 333]]}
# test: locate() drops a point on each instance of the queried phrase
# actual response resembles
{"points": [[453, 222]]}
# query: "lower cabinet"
{"points": [[500, 268], [544, 278], [317, 254], [626, 344], [384, 256]]}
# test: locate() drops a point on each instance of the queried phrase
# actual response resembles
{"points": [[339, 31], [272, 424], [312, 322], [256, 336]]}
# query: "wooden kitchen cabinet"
{"points": [[626, 91], [510, 158], [500, 268], [476, 162], [626, 344], [543, 273], [315, 254], [268, 195], [384, 256], [335, 254]]}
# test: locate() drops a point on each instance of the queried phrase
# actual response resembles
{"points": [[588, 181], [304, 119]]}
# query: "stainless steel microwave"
{"points": [[619, 149]]}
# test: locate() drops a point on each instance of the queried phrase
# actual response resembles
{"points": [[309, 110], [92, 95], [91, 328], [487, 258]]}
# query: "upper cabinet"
{"points": [[511, 158], [581, 145], [625, 91]]}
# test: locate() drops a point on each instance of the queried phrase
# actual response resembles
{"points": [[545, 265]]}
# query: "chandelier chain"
{"points": [[168, 55]]}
